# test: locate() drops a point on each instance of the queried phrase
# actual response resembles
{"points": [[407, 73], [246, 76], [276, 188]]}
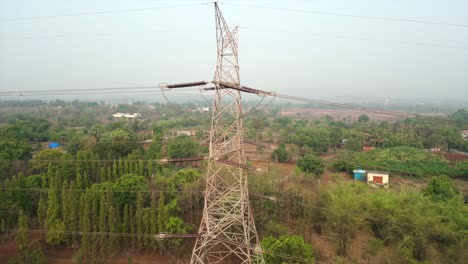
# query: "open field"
{"points": [[345, 115]]}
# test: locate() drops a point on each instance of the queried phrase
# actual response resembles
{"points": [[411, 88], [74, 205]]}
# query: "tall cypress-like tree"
{"points": [[66, 208], [114, 171], [141, 168], [139, 217], [103, 175], [150, 168], [126, 167], [74, 207], [154, 217], [81, 214], [131, 168], [85, 220], [86, 180], [113, 222], [103, 211], [132, 225], [54, 225], [109, 173], [50, 172], [22, 236], [121, 167], [23, 198], [79, 181], [42, 211], [162, 212], [95, 209], [147, 240], [126, 221]]}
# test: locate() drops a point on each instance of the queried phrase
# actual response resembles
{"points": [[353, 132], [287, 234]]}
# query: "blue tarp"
{"points": [[53, 145]]}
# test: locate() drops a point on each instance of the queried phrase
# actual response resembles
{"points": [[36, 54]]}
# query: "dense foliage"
{"points": [[287, 249]]}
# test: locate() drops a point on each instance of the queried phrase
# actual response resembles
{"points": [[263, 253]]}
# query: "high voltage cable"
{"points": [[69, 232], [104, 160], [94, 143], [98, 12], [165, 191], [354, 16], [462, 46], [340, 105], [315, 35], [122, 234], [87, 90], [98, 190], [135, 89], [238, 4]]}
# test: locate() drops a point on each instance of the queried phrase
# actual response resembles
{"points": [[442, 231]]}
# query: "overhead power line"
{"points": [[459, 46], [163, 160], [45, 190], [392, 19], [155, 236], [119, 11], [242, 88], [86, 90], [346, 106], [121, 90]]}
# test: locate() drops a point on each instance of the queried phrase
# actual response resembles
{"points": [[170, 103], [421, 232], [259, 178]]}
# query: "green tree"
{"points": [[363, 118], [22, 236], [11, 149], [460, 117], [49, 157], [126, 187], [441, 189], [281, 154], [287, 249], [311, 164], [183, 178], [154, 150], [54, 224], [182, 147], [42, 211]]}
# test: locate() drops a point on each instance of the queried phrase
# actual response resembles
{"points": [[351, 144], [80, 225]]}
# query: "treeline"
{"points": [[402, 161], [320, 135]]}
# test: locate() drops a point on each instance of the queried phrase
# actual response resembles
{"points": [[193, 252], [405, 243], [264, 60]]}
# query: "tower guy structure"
{"points": [[227, 229]]}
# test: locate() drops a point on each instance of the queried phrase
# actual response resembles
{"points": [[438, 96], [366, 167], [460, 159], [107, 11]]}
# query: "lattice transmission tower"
{"points": [[227, 229]]}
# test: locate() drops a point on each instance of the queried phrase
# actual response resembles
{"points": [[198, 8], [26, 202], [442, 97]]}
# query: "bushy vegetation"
{"points": [[399, 226], [409, 161], [287, 249]]}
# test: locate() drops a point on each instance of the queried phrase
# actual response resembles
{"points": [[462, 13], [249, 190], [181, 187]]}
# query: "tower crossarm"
{"points": [[182, 85], [224, 85]]}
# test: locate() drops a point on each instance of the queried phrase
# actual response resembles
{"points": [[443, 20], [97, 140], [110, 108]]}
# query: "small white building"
{"points": [[134, 115], [464, 134], [378, 178], [186, 132], [201, 109], [127, 115]]}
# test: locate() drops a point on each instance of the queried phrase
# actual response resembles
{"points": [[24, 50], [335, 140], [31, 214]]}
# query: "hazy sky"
{"points": [[59, 45]]}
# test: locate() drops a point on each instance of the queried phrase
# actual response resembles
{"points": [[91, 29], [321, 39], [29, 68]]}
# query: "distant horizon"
{"points": [[416, 105]]}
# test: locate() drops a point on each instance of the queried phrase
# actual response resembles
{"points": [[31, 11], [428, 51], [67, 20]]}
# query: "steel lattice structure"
{"points": [[227, 221]]}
